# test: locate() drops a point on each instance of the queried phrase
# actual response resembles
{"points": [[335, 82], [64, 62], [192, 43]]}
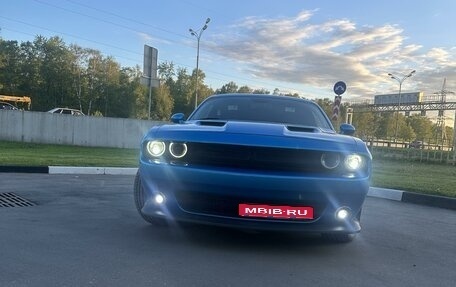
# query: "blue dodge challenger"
{"points": [[259, 162]]}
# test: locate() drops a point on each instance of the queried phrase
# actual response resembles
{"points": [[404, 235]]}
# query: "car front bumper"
{"points": [[212, 197]]}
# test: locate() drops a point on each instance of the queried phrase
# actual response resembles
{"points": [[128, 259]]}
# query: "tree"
{"points": [[327, 106], [228, 88], [182, 92], [111, 83], [405, 132], [244, 90], [365, 124], [450, 135], [421, 126], [10, 63], [30, 69], [162, 103], [80, 73], [386, 126], [56, 72], [261, 91], [166, 73]]}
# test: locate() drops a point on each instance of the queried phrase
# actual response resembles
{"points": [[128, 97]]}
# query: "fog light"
{"points": [[159, 198], [342, 213]]}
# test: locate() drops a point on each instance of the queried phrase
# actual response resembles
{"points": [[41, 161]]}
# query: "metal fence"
{"points": [[414, 154]]}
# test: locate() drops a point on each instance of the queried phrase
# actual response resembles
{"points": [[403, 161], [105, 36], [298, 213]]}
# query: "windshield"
{"points": [[273, 109]]}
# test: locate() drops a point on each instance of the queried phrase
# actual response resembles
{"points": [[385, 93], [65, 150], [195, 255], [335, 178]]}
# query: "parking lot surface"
{"points": [[83, 230]]}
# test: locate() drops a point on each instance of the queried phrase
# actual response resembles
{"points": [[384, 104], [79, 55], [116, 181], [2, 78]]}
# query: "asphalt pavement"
{"points": [[83, 230]]}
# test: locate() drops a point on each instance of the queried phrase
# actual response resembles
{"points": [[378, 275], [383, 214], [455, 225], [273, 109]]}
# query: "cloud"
{"points": [[297, 50], [147, 38]]}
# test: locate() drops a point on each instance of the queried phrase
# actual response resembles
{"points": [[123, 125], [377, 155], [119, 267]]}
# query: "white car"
{"points": [[66, 111]]}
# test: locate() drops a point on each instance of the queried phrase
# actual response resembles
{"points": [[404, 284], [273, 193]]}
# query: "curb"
{"points": [[93, 170], [385, 193], [70, 170], [413, 197]]}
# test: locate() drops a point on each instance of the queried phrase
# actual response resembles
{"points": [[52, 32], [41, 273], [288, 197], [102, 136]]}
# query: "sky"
{"points": [[302, 47]]}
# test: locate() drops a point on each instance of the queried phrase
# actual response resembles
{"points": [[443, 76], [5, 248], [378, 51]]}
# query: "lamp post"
{"points": [[198, 34], [400, 80]]}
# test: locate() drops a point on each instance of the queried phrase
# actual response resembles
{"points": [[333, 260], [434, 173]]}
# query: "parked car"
{"points": [[7, 106], [260, 162], [417, 144], [66, 111]]}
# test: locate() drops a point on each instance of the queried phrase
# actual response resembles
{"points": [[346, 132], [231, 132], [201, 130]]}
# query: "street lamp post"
{"points": [[400, 81], [198, 34]]}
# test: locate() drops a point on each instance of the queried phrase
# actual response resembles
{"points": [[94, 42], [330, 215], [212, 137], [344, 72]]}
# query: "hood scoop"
{"points": [[302, 129], [211, 123]]}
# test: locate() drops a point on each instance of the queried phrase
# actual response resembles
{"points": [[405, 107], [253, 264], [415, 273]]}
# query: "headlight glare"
{"points": [[353, 162], [156, 148]]}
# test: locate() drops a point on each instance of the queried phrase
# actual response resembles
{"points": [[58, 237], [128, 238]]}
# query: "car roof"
{"points": [[266, 96], [5, 103], [8, 104], [68, 109]]}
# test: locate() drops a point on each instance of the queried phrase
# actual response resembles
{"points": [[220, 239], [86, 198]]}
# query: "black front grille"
{"points": [[212, 204], [254, 158]]}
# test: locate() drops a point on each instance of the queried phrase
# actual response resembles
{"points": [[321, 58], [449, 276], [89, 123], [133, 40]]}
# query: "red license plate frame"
{"points": [[275, 211]]}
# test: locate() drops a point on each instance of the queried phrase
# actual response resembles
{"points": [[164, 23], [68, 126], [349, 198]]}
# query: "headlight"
{"points": [[178, 150], [353, 162], [330, 160], [156, 148]]}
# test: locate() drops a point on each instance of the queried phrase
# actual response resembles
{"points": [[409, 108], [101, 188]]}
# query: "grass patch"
{"points": [[437, 179], [30, 154]]}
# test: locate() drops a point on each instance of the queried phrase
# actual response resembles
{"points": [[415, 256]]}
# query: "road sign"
{"points": [[150, 67], [339, 88]]}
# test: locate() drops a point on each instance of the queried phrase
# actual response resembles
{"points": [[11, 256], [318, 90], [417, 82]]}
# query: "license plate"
{"points": [[276, 211]]}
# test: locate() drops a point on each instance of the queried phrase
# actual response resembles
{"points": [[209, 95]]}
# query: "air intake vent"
{"points": [[212, 123], [301, 129], [10, 199]]}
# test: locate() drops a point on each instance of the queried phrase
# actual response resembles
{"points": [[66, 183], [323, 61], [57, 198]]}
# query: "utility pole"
{"points": [[198, 34], [400, 81], [441, 135]]}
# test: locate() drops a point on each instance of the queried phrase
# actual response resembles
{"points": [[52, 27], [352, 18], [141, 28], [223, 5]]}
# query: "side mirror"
{"points": [[178, 118], [347, 129]]}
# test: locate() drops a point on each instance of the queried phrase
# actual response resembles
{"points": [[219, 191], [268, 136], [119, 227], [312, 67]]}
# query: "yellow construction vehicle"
{"points": [[21, 102]]}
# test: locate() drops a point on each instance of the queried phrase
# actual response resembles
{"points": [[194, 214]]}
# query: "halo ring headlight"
{"points": [[178, 150], [330, 160], [156, 148], [353, 162]]}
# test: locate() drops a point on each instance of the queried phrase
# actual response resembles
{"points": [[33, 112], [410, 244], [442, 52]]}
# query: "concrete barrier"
{"points": [[42, 127]]}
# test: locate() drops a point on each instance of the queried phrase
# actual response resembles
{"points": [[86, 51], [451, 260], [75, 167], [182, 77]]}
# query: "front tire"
{"points": [[139, 197]]}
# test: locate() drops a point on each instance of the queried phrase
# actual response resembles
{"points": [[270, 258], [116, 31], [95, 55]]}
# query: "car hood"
{"points": [[258, 134]]}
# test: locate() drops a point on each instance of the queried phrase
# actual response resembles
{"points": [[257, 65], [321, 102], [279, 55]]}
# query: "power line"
{"points": [[126, 18], [68, 34], [109, 22], [106, 54]]}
